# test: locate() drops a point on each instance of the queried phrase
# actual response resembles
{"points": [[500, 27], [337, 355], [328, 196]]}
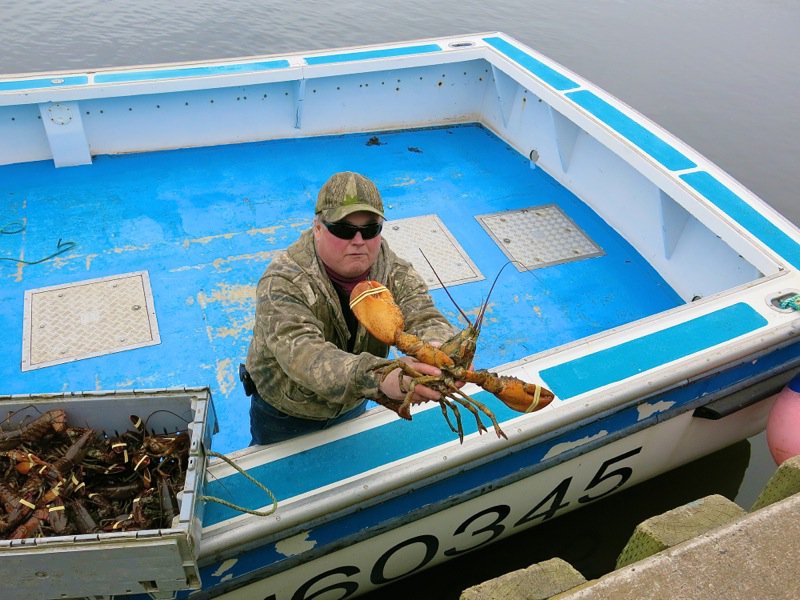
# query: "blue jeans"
{"points": [[269, 425]]}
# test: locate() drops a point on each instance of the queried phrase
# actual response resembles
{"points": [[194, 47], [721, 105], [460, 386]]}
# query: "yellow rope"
{"points": [[370, 292], [258, 513], [536, 396]]}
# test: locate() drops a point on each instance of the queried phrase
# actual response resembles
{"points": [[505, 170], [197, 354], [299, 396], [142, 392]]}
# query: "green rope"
{"points": [[792, 302], [16, 227], [258, 513]]}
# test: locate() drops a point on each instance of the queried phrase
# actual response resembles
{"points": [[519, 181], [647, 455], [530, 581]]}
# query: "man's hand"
{"points": [[396, 385]]}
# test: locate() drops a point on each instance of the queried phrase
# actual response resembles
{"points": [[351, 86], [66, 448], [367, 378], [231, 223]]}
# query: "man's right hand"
{"points": [[396, 385]]}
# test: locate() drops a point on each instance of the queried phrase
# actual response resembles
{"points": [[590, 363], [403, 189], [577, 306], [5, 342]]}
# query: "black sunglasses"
{"points": [[347, 231]]}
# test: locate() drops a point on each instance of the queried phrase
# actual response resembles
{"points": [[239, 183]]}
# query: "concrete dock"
{"points": [[707, 549]]}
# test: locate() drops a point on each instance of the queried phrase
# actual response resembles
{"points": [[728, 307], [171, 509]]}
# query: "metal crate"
{"points": [[159, 562]]}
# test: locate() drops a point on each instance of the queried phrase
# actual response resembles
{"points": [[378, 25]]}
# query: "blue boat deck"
{"points": [[205, 223]]}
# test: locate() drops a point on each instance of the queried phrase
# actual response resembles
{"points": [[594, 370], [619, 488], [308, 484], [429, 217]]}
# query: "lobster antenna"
{"points": [[444, 287], [479, 319]]}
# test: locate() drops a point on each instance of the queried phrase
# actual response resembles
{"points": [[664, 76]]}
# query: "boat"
{"points": [[648, 289]]}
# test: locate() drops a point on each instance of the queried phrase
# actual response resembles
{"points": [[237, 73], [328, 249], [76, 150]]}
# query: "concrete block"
{"points": [[537, 582], [751, 558], [784, 482], [678, 525]]}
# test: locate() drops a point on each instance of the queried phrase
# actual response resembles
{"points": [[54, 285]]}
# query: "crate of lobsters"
{"points": [[101, 492]]}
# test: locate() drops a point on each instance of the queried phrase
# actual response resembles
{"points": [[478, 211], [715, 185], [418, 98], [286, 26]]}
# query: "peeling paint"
{"points": [[228, 294], [273, 229], [565, 446], [238, 327], [121, 249], [297, 544], [647, 410], [225, 378], [404, 182], [264, 256], [225, 566], [209, 238]]}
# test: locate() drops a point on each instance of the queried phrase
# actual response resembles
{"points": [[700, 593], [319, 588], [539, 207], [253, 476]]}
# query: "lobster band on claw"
{"points": [[374, 306]]}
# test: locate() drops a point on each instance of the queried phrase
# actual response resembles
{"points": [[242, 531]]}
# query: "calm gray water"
{"points": [[723, 75]]}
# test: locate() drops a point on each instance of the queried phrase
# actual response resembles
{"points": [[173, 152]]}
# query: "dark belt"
{"points": [[247, 382]]}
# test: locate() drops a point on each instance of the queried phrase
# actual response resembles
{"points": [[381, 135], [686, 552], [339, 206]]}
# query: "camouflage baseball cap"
{"points": [[345, 193]]}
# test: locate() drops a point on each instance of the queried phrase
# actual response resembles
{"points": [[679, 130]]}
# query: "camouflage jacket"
{"points": [[296, 357]]}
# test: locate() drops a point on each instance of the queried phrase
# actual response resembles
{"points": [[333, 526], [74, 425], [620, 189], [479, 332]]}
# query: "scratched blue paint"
{"points": [[199, 71], [744, 214], [368, 54], [544, 72], [43, 82], [650, 351], [639, 135]]}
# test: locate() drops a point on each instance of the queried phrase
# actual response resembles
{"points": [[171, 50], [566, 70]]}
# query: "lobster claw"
{"points": [[375, 308], [514, 393]]}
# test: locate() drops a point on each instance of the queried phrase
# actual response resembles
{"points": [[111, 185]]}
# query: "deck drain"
{"points": [[427, 233], [538, 236], [89, 318]]}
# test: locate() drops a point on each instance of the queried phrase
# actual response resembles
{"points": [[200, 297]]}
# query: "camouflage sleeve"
{"points": [[295, 335], [422, 318]]}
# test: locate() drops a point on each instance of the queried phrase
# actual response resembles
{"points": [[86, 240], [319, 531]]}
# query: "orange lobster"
{"points": [[375, 308]]}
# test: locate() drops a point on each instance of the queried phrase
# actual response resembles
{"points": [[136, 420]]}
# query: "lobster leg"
{"points": [[474, 406], [444, 404]]}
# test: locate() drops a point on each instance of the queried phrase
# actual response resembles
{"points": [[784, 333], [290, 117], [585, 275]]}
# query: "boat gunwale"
{"points": [[247, 532]]}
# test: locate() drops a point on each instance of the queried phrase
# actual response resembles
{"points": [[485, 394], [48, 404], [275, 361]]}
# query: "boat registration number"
{"points": [[412, 553]]}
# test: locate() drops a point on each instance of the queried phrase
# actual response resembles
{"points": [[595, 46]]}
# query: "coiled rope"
{"points": [[258, 513]]}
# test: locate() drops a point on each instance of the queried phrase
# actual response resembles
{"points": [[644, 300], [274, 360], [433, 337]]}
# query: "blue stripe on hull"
{"points": [[547, 74], [744, 214], [637, 134], [370, 54], [200, 71], [647, 352], [45, 82]]}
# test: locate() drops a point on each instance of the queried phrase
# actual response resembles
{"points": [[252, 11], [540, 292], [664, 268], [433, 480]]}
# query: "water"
{"points": [[720, 74]]}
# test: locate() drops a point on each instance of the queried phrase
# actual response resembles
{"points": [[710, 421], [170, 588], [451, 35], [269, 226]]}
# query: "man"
{"points": [[310, 364]]}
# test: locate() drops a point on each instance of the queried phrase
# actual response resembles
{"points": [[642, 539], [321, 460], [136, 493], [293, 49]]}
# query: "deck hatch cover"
{"points": [[64, 323], [427, 233], [538, 236]]}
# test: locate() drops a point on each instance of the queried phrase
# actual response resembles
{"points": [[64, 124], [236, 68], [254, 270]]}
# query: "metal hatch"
{"points": [[428, 234], [88, 318], [538, 236]]}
